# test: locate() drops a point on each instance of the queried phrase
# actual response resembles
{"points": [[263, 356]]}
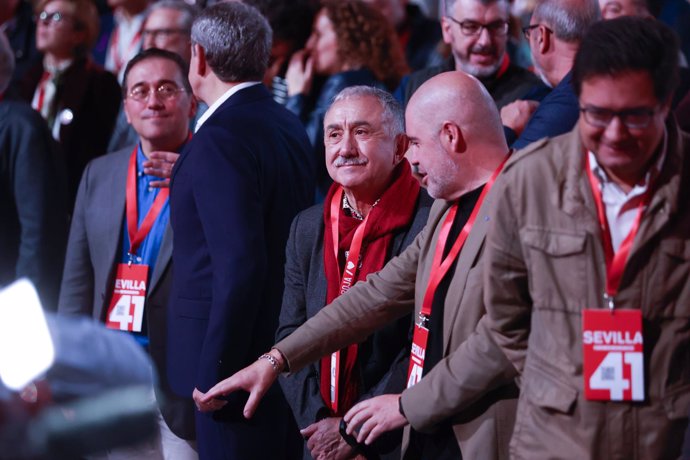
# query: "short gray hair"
{"points": [[189, 12], [448, 4], [236, 39], [6, 63], [569, 19], [393, 116]]}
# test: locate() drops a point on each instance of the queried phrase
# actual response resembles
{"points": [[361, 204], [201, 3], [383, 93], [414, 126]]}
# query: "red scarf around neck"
{"points": [[394, 211]]}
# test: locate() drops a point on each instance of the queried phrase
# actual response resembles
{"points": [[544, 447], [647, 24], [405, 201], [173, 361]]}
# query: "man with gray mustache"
{"points": [[372, 212]]}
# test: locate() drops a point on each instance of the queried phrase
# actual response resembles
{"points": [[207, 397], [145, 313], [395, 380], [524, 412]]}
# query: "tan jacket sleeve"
{"points": [[367, 306], [506, 293]]}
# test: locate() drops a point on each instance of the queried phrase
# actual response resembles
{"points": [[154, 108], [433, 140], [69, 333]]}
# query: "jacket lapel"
{"points": [[112, 219], [466, 260]]}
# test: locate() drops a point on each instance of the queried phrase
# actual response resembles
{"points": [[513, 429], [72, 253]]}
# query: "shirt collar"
{"points": [[213, 107], [54, 70]]}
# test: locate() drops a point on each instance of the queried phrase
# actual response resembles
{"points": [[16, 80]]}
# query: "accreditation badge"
{"points": [[126, 310], [419, 343], [613, 366]]}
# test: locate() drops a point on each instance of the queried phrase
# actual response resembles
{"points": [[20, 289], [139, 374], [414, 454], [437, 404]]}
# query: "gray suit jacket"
{"points": [[473, 386], [93, 248]]}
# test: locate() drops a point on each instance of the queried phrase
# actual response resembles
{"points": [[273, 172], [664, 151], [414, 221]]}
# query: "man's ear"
{"points": [[401, 144], [544, 41], [445, 31], [199, 54], [452, 138]]}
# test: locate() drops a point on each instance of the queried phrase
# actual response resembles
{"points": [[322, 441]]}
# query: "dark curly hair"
{"points": [[366, 38]]}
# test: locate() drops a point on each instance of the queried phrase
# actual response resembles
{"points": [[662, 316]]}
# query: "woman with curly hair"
{"points": [[350, 44]]}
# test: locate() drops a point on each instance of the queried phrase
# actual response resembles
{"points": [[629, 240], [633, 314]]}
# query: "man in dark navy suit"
{"points": [[235, 189], [554, 34]]}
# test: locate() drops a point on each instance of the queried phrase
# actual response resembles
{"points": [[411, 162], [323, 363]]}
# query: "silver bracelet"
{"points": [[271, 359]]}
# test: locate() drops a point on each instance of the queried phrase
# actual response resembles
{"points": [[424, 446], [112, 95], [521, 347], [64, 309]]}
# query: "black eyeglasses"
{"points": [[164, 91], [470, 28], [527, 31], [631, 118]]}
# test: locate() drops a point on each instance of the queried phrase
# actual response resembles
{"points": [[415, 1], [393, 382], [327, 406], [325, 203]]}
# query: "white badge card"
{"points": [[126, 310]]}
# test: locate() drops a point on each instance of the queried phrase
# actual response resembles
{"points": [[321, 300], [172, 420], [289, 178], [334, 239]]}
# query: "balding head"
{"points": [[456, 135]]}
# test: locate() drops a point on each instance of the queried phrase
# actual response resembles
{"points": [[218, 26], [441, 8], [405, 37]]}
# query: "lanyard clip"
{"points": [[423, 320], [609, 302], [131, 258]]}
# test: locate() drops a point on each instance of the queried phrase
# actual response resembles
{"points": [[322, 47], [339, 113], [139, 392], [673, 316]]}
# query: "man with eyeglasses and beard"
{"points": [[119, 254], [477, 32], [587, 276]]}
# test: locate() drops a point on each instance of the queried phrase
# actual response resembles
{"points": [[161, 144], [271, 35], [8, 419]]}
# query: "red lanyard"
{"points": [[115, 50], [615, 262], [440, 265], [347, 279], [352, 263], [42, 90], [136, 237]]}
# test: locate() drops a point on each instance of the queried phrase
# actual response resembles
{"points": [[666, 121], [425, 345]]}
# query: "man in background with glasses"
{"points": [[477, 32], [587, 275], [168, 26], [118, 263]]}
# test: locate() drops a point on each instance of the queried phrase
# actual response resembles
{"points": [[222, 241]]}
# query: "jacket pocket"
{"points": [[545, 391], [544, 425], [549, 255]]}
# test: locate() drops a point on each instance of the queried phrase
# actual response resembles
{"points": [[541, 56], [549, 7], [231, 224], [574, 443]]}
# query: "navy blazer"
{"points": [[557, 114], [235, 189]]}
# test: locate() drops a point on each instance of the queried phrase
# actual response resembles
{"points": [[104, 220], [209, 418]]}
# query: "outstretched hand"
{"points": [[371, 418], [255, 379]]}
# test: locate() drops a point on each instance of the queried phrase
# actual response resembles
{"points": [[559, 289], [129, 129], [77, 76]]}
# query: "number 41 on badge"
{"points": [[613, 366]]}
